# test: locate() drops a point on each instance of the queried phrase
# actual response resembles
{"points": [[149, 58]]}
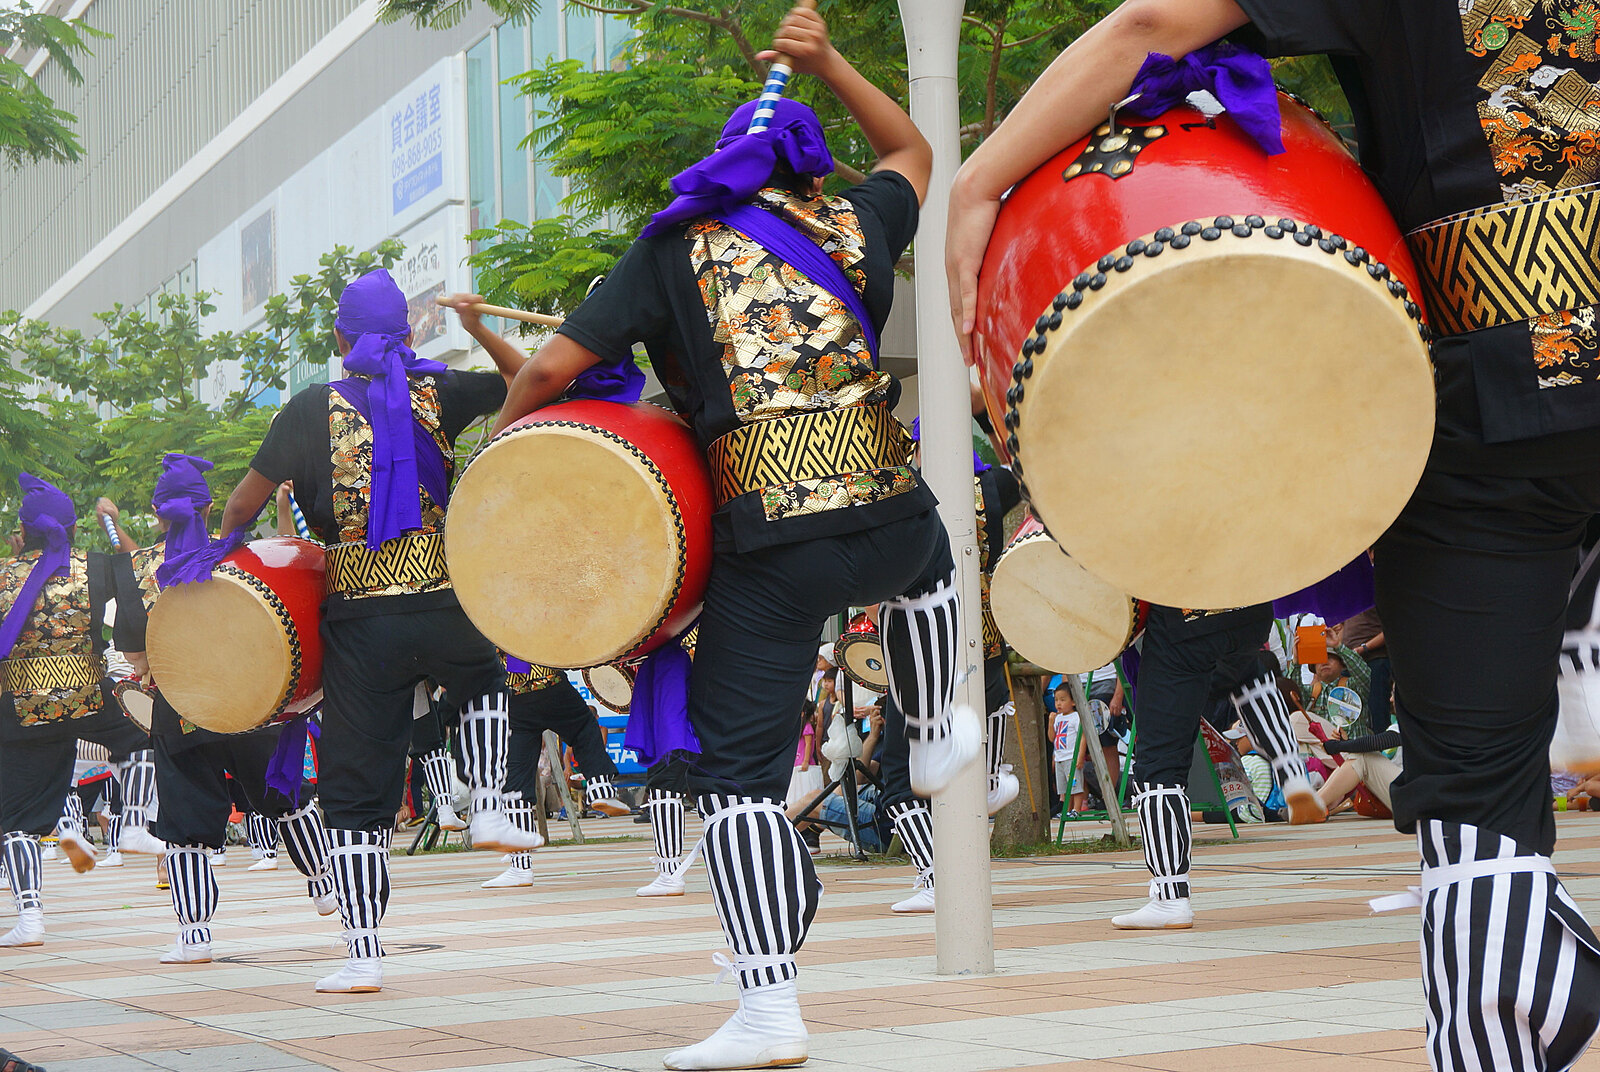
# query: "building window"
{"points": [[512, 42], [481, 133]]}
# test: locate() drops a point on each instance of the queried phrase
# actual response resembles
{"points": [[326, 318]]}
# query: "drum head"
{"points": [[611, 552], [136, 703], [861, 656], [222, 652], [1172, 425], [1055, 613], [612, 686]]}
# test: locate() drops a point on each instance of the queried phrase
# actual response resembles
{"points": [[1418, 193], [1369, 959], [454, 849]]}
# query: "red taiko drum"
{"points": [[859, 653], [243, 649], [581, 535], [1158, 344], [1055, 613]]}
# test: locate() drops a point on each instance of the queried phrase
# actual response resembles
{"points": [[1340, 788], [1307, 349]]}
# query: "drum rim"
{"points": [[680, 536], [255, 586], [128, 685], [1080, 295]]}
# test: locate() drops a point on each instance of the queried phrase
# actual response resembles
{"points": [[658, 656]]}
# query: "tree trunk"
{"points": [[1026, 820]]}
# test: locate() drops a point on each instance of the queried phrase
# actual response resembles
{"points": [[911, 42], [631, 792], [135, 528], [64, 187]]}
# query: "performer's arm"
{"points": [[106, 508], [508, 358], [900, 146], [542, 378], [247, 500], [1069, 99]]}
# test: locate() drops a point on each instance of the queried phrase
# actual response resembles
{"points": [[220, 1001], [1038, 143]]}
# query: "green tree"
{"points": [[147, 370], [32, 128]]}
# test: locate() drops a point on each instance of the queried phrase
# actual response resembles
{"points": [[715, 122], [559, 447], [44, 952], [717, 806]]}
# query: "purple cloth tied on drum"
{"points": [[1334, 599], [623, 384], [742, 163], [286, 769], [1240, 80], [180, 499], [47, 514], [658, 717], [375, 321]]}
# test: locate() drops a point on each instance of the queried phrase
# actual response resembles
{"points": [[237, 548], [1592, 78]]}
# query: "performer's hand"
{"points": [[15, 540], [971, 223], [104, 507], [803, 37], [462, 304]]}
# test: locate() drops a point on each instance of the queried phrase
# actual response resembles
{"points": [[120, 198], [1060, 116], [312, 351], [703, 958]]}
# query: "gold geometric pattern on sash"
{"points": [[50, 672], [537, 679], [807, 446], [406, 565], [1510, 263]]}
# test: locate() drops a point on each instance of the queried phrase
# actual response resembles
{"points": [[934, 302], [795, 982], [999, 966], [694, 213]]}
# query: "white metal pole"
{"points": [[964, 923]]}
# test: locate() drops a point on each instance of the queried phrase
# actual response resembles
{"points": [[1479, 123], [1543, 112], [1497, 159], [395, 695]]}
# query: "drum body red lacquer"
{"points": [[243, 649], [582, 534], [1155, 343]]}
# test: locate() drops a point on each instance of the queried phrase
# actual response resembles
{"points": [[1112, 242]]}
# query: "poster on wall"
{"points": [[421, 277], [416, 142], [258, 260]]}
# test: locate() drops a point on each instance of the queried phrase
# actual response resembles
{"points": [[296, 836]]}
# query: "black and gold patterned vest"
{"points": [[54, 671], [537, 679], [411, 565]]}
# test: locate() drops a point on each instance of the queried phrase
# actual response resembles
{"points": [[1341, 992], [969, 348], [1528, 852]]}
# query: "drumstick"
{"points": [[300, 525], [111, 532], [777, 85], [484, 309]]}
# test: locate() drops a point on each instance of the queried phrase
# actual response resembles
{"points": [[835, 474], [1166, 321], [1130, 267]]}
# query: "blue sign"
{"points": [[416, 147]]}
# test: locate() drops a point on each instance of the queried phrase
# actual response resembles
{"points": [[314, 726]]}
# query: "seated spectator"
{"points": [[1259, 773], [834, 812], [1364, 764]]}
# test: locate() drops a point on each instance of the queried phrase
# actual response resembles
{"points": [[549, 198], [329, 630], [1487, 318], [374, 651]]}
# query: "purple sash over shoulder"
{"points": [[777, 235], [431, 471], [658, 719]]}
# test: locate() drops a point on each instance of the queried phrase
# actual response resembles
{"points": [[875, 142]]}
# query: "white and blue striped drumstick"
{"points": [[111, 532], [300, 525], [777, 85]]}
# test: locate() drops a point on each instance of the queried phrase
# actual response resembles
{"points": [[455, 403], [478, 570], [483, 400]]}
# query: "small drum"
{"points": [[1162, 312], [582, 534], [138, 704], [1055, 613], [612, 685], [243, 649], [859, 653]]}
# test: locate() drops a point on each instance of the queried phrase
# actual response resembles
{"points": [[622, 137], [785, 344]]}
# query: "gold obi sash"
{"points": [[820, 445], [49, 673], [536, 680], [407, 564], [1504, 264]]}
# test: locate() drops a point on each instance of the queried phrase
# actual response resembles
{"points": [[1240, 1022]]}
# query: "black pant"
{"points": [[370, 670], [1472, 590], [759, 632], [197, 796], [36, 766], [1185, 670], [558, 707], [1378, 710]]}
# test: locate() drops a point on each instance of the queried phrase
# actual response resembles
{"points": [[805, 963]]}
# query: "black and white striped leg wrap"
{"points": [[71, 815], [1168, 840], [1510, 969], [138, 787], [763, 883], [598, 789], [23, 868], [360, 861], [666, 811], [1266, 716], [263, 834], [194, 891], [520, 812], [995, 740], [437, 771], [114, 829], [914, 823], [305, 840], [920, 637], [485, 735]]}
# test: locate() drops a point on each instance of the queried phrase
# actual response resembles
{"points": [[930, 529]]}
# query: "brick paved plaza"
{"points": [[1286, 968]]}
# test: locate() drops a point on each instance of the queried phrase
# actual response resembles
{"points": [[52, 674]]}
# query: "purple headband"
{"points": [[743, 163], [47, 512], [180, 499], [375, 321]]}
